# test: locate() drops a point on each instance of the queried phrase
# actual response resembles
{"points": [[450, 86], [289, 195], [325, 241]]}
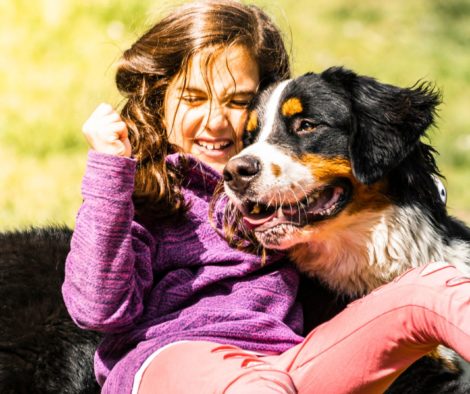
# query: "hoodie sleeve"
{"points": [[109, 267]]}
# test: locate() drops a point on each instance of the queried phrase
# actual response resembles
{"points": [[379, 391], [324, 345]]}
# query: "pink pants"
{"points": [[362, 349]]}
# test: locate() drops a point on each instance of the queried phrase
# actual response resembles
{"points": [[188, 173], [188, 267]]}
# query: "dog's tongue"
{"points": [[253, 223]]}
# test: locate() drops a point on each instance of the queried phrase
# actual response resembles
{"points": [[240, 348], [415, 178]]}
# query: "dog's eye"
{"points": [[306, 126]]}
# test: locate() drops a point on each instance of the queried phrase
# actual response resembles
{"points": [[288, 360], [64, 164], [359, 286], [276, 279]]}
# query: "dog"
{"points": [[41, 349], [335, 171]]}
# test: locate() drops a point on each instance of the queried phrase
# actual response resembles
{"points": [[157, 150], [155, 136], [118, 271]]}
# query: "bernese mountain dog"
{"points": [[335, 171]]}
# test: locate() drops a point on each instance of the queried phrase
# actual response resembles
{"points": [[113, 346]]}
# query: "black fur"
{"points": [[389, 121], [41, 349], [385, 140]]}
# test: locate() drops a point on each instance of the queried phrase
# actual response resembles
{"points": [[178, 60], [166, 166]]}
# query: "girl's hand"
{"points": [[106, 132]]}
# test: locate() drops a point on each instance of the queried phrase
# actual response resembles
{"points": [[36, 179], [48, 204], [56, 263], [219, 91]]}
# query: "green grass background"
{"points": [[57, 63]]}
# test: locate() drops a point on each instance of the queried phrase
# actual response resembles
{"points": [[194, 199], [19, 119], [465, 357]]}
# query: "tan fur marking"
{"points": [[327, 169], [276, 170], [252, 121], [435, 354], [292, 106]]}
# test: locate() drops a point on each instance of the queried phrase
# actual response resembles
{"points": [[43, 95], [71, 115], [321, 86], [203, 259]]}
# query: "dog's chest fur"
{"points": [[361, 252]]}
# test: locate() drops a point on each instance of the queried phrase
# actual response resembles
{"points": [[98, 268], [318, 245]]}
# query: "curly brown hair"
{"points": [[163, 53]]}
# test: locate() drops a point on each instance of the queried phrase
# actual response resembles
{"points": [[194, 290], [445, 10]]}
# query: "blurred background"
{"points": [[58, 57]]}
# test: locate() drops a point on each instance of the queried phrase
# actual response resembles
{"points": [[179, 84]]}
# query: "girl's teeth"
{"points": [[216, 146]]}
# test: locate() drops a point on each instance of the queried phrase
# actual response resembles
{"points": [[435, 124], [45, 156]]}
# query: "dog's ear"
{"points": [[388, 121]]}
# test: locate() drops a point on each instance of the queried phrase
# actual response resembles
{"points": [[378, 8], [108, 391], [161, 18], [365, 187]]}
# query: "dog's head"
{"points": [[329, 145]]}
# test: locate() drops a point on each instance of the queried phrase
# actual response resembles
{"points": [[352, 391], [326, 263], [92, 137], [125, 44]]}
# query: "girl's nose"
{"points": [[217, 118]]}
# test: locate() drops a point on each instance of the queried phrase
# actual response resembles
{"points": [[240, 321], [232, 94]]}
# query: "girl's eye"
{"points": [[306, 126], [240, 103], [193, 99]]}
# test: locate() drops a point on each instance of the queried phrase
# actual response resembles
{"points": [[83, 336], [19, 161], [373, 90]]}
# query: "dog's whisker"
{"points": [[270, 200], [297, 203], [297, 184], [280, 199]]}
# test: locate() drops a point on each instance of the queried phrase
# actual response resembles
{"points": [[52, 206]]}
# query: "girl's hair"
{"points": [[163, 52]]}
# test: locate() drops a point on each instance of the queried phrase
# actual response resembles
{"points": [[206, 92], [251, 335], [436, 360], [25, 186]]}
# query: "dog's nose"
{"points": [[239, 171]]}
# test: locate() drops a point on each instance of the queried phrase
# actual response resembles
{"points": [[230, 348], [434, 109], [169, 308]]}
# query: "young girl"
{"points": [[182, 311]]}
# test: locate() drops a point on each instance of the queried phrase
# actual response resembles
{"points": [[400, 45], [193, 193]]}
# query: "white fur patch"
{"points": [[273, 111]]}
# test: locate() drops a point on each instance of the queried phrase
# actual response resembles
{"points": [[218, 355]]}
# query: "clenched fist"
{"points": [[106, 132]]}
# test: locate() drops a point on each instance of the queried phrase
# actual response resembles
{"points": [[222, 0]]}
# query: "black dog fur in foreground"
{"points": [[42, 351]]}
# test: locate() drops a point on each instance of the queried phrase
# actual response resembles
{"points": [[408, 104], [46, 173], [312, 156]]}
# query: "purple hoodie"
{"points": [[149, 286]]}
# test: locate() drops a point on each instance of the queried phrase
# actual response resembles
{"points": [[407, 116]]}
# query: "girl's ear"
{"points": [[388, 121]]}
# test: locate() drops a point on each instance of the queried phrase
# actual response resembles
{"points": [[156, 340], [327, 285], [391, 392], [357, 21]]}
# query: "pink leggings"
{"points": [[362, 349]]}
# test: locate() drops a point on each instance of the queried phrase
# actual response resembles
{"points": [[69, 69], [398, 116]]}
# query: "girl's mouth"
{"points": [[214, 145]]}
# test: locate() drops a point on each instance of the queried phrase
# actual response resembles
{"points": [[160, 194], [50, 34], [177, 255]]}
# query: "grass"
{"points": [[58, 62]]}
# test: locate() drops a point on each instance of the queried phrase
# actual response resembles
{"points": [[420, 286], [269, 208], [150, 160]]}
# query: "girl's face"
{"points": [[206, 109]]}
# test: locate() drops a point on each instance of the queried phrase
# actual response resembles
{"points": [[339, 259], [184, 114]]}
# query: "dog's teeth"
{"points": [[313, 197]]}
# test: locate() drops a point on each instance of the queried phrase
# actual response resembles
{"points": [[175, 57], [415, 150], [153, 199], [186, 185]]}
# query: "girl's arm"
{"points": [[109, 267], [108, 270]]}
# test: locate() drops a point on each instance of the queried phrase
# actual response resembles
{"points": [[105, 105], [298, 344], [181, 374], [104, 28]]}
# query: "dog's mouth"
{"points": [[320, 204]]}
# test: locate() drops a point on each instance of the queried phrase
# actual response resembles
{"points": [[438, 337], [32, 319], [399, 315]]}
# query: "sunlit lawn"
{"points": [[58, 62]]}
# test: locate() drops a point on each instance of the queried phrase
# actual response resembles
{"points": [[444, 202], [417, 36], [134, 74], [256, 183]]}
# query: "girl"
{"points": [[182, 311]]}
